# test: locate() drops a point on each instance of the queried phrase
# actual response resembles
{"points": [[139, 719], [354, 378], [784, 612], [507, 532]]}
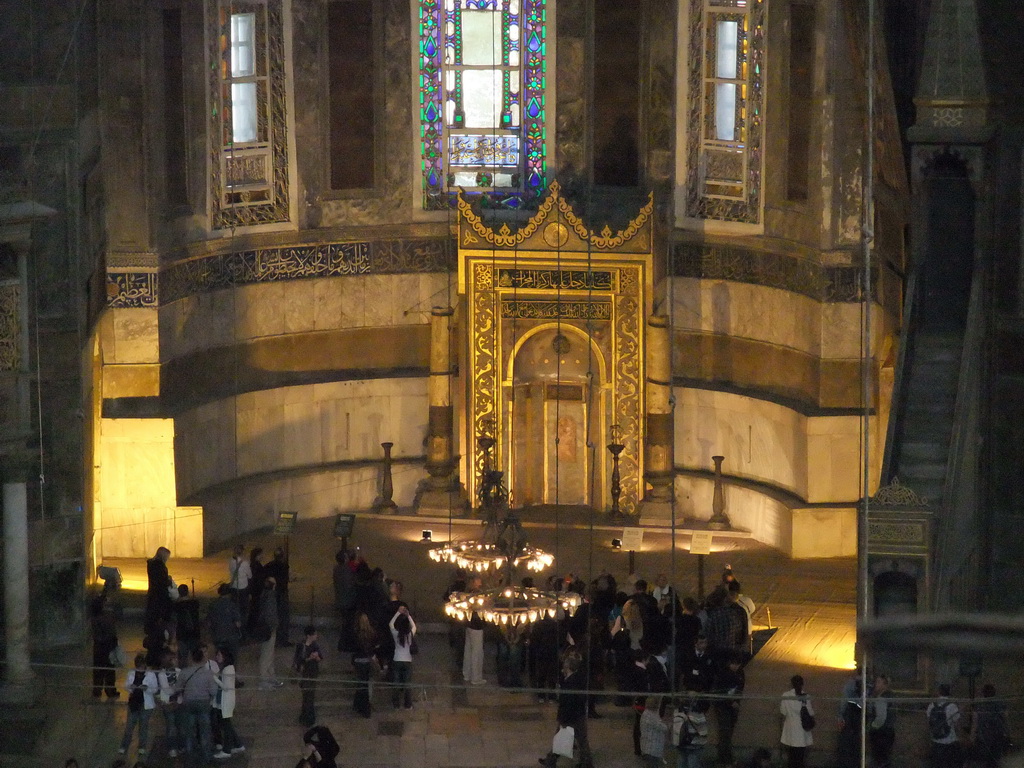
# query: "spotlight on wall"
{"points": [[428, 535], [616, 543]]}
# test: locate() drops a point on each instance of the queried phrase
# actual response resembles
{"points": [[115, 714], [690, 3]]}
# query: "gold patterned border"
{"points": [[505, 238]]}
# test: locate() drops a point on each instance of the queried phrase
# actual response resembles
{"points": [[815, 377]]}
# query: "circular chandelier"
{"points": [[511, 606], [479, 556]]}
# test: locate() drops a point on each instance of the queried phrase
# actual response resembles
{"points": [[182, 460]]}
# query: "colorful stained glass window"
{"points": [[482, 103]]}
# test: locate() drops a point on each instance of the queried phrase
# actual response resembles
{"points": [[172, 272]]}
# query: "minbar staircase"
{"points": [[928, 403]]}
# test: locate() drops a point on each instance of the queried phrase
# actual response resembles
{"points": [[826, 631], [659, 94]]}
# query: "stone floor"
{"points": [[811, 603]]}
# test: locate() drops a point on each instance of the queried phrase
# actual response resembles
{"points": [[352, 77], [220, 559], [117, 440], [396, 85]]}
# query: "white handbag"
{"points": [[562, 743]]}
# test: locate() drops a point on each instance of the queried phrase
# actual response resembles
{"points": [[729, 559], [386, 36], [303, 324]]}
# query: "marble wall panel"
{"points": [[760, 440], [301, 426], [323, 493], [328, 301], [220, 318], [824, 532], [298, 309], [130, 336], [748, 311], [767, 518]]}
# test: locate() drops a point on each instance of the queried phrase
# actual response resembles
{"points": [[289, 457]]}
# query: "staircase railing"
{"points": [[957, 521], [903, 355]]}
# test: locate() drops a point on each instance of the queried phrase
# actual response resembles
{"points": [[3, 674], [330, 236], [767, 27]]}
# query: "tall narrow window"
{"points": [[482, 103], [243, 78], [801, 91], [726, 82], [353, 104], [616, 94], [249, 122]]}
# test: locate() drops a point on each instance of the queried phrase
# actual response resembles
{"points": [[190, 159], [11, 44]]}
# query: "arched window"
{"points": [[482, 104]]}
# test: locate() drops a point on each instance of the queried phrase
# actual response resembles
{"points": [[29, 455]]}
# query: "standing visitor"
{"points": [[255, 587], [142, 686], [104, 644], [158, 594], [362, 659], [473, 653], [265, 633], [943, 716], [170, 704], [848, 740], [278, 570], [225, 622], [307, 665], [988, 728], [230, 743], [198, 687], [728, 682], [653, 731], [690, 733], [572, 705], [344, 600], [186, 621], [796, 735], [403, 632], [881, 731], [239, 576]]}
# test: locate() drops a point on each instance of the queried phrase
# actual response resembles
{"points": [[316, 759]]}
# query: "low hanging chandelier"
{"points": [[503, 546], [511, 605], [480, 555]]}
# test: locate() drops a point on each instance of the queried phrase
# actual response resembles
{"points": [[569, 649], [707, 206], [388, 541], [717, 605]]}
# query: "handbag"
{"points": [[118, 656], [807, 720], [563, 741], [262, 631], [414, 647]]}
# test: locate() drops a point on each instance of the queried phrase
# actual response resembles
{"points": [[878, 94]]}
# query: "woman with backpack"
{"points": [[690, 732], [797, 722]]}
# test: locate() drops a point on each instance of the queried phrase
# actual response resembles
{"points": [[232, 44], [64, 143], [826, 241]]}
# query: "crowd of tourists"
{"points": [[677, 663]]}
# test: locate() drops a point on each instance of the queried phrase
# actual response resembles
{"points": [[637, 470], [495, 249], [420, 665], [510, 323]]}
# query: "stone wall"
{"points": [[330, 426]]}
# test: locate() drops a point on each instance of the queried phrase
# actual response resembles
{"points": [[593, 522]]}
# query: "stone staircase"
{"points": [[928, 409]]}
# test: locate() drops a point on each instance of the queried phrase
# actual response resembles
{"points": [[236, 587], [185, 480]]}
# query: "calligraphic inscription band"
{"points": [[554, 279], [550, 310]]}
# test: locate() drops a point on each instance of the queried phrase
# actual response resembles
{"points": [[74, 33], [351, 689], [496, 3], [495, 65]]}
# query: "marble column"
{"points": [[439, 493], [18, 671], [659, 438]]}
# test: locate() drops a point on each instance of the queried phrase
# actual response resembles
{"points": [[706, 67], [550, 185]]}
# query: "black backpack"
{"points": [[938, 722], [686, 733]]}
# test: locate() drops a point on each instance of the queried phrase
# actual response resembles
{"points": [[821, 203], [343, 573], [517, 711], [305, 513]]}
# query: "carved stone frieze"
{"points": [[895, 494]]}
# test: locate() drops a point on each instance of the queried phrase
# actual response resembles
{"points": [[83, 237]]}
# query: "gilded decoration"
{"points": [[895, 494], [10, 327], [513, 293], [504, 237], [249, 183], [132, 289], [551, 310]]}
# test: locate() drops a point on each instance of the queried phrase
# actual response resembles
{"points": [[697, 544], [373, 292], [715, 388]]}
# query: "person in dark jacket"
{"points": [[158, 595], [572, 705], [186, 622], [278, 570], [104, 641]]}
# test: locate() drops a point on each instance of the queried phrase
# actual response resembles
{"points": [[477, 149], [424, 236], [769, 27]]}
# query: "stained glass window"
{"points": [[724, 154], [482, 105]]}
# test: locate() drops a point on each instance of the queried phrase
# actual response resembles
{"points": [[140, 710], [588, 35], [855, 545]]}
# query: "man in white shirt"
{"points": [[943, 715]]}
